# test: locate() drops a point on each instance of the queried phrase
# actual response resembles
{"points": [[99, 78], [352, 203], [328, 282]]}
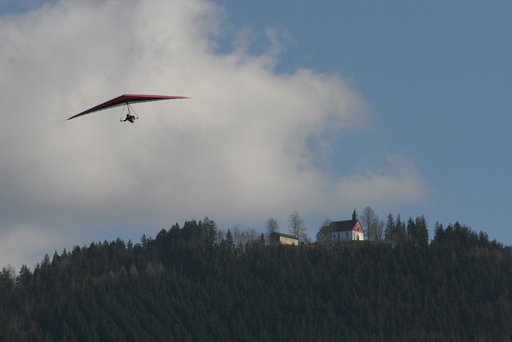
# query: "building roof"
{"points": [[342, 226], [283, 235]]}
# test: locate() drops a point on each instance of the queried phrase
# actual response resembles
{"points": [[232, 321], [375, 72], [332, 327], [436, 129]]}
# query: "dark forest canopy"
{"points": [[187, 284]]}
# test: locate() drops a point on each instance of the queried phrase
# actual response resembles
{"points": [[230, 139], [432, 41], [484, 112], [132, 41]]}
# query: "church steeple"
{"points": [[354, 216]]}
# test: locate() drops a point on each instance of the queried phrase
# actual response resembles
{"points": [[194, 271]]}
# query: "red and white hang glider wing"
{"points": [[126, 99]]}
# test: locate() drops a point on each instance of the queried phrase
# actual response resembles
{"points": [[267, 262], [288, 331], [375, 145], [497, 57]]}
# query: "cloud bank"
{"points": [[241, 148]]}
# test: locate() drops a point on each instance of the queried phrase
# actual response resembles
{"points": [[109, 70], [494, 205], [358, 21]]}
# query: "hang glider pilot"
{"points": [[129, 117]]}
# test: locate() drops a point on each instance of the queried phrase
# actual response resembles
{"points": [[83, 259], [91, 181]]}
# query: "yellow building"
{"points": [[282, 239]]}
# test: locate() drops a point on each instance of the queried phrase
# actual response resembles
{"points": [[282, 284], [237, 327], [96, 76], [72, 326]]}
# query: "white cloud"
{"points": [[238, 149], [397, 184], [26, 245]]}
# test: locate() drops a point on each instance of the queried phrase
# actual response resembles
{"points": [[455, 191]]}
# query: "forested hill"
{"points": [[185, 285]]}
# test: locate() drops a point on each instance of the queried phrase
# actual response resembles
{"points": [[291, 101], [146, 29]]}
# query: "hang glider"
{"points": [[126, 99]]}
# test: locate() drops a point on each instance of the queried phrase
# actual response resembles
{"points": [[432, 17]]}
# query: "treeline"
{"points": [[186, 284]]}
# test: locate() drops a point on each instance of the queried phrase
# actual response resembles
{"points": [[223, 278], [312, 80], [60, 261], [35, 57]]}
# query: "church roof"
{"points": [[342, 226]]}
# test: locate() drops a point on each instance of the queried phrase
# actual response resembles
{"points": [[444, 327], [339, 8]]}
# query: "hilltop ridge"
{"points": [[185, 284]]}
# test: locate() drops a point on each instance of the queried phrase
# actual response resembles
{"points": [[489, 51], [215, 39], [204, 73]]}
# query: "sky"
{"points": [[321, 107]]}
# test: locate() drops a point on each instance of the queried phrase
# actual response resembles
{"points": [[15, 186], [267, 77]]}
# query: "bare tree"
{"points": [[272, 226], [323, 232], [242, 236], [326, 222], [296, 226], [374, 227]]}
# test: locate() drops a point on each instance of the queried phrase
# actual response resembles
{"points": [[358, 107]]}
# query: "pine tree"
{"points": [[389, 232]]}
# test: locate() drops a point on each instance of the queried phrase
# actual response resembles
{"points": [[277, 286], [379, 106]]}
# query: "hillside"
{"points": [[184, 285]]}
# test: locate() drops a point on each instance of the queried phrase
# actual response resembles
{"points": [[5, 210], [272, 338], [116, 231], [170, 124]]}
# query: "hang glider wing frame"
{"points": [[126, 99]]}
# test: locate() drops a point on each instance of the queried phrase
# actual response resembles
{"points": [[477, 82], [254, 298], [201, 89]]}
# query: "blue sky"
{"points": [[437, 75], [320, 107]]}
